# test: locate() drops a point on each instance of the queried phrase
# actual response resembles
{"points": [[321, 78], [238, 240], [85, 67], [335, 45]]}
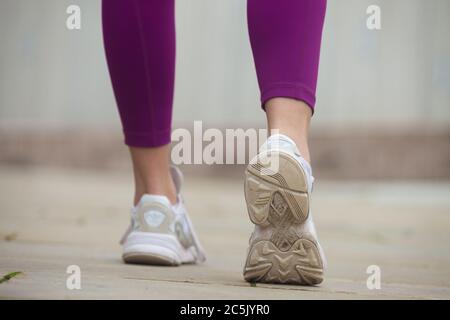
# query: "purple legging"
{"points": [[139, 37]]}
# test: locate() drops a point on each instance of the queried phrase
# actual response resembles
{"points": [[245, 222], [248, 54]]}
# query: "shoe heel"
{"points": [[277, 187]]}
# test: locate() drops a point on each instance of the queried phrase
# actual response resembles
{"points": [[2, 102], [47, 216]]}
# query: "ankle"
{"points": [[302, 145], [157, 185], [291, 118], [156, 190], [152, 172]]}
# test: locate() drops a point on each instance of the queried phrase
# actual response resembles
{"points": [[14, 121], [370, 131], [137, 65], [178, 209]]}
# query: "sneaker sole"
{"points": [[153, 249], [278, 200], [151, 255]]}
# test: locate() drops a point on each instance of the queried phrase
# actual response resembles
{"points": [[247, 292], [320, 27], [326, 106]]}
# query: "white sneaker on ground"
{"points": [[283, 247], [161, 233]]}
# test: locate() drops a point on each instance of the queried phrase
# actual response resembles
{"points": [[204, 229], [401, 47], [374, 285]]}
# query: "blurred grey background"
{"points": [[383, 98]]}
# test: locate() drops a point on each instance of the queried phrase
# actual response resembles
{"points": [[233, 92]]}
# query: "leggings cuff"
{"points": [[289, 90], [147, 139]]}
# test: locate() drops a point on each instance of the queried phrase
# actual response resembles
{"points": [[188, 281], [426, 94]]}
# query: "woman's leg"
{"points": [[285, 36], [284, 248], [139, 38]]}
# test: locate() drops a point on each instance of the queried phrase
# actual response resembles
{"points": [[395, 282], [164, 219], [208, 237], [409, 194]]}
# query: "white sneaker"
{"points": [[283, 247], [161, 233]]}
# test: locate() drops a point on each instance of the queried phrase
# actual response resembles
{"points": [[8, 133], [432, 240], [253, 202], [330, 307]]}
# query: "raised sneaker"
{"points": [[284, 247]]}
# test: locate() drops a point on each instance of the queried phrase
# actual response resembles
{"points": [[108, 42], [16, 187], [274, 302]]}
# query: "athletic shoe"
{"points": [[283, 247], [161, 233]]}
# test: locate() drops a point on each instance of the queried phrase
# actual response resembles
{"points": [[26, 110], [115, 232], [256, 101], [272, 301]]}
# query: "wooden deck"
{"points": [[52, 218]]}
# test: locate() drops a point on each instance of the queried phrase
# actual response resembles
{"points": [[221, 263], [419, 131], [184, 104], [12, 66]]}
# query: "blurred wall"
{"points": [[399, 75]]}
